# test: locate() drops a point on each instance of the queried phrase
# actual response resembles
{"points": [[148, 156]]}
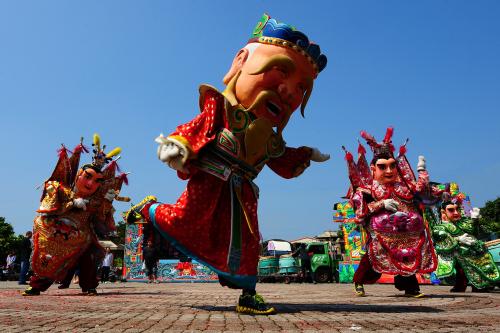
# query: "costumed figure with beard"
{"points": [[383, 195], [222, 150], [460, 253], [76, 203]]}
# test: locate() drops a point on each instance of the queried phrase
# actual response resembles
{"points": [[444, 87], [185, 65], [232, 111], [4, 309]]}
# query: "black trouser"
{"points": [[366, 275], [105, 273]]}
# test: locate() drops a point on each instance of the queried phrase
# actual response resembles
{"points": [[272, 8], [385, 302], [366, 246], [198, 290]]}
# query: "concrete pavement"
{"points": [[207, 307]]}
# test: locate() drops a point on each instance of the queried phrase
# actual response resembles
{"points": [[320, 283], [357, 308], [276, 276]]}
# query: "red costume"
{"points": [[224, 148], [215, 219]]}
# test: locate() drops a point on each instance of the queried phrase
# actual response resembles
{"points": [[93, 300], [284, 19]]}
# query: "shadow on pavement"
{"points": [[376, 308], [428, 296], [112, 293]]}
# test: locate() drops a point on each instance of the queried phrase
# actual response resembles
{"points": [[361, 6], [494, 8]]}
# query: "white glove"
{"points": [[171, 154], [466, 239], [421, 163], [391, 205], [475, 213], [80, 203], [318, 156], [110, 195]]}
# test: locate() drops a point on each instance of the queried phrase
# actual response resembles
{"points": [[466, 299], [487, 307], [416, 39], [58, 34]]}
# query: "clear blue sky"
{"points": [[131, 69]]}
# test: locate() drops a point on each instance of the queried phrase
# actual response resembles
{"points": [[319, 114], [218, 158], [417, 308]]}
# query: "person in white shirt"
{"points": [[107, 263], [11, 260]]}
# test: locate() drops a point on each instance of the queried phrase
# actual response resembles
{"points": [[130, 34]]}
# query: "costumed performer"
{"points": [[460, 252], [383, 195], [75, 204], [222, 150]]}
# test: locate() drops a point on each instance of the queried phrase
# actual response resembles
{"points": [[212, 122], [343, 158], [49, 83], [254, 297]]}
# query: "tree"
{"points": [[120, 233], [490, 217], [8, 240]]}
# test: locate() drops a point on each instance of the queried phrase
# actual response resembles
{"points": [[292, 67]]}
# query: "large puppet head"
{"points": [[451, 206], [90, 177], [450, 211], [383, 164], [273, 74]]}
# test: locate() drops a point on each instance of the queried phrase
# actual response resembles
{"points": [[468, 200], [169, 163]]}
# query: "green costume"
{"points": [[455, 244]]}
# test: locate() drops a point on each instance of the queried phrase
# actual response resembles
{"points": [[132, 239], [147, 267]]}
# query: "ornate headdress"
{"points": [[270, 31], [384, 149], [100, 158], [452, 195], [360, 173]]}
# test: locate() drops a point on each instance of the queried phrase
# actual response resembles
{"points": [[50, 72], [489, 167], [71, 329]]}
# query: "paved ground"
{"points": [[179, 307]]}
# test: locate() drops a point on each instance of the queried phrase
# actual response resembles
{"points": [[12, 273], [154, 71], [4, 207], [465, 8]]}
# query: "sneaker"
{"points": [[456, 290], [92, 292], [63, 286], [414, 294], [30, 291], [255, 304], [359, 290], [133, 215]]}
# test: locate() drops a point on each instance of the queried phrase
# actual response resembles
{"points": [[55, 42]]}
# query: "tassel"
{"points": [[402, 150], [124, 178], [388, 134], [80, 148], [348, 155]]}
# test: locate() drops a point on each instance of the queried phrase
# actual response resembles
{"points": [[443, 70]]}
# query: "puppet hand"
{"points": [[475, 213], [171, 154], [391, 205], [110, 195], [80, 203], [421, 163], [466, 239], [318, 156]]}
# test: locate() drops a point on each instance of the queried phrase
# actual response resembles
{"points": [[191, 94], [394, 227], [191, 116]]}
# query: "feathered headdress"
{"points": [[380, 149], [100, 158], [359, 172]]}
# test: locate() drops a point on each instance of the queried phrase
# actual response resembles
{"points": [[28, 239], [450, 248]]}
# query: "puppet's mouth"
{"points": [[274, 109]]}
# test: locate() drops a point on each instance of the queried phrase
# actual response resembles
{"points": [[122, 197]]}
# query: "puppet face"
{"points": [[385, 170], [271, 82], [451, 213], [87, 182]]}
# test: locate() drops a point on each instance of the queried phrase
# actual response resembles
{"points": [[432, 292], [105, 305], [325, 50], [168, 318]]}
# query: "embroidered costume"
{"points": [[222, 150], [75, 204], [398, 241], [460, 253]]}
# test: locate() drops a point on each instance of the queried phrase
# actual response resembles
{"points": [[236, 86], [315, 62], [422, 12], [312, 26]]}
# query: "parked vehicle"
{"points": [[286, 268], [324, 267]]}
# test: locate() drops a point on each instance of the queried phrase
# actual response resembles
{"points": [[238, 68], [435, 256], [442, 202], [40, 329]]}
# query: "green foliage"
{"points": [[490, 217], [8, 240], [120, 231]]}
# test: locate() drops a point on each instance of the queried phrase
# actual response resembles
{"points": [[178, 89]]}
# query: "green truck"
{"points": [[324, 267]]}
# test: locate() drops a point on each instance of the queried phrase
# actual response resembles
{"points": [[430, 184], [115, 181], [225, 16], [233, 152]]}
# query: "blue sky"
{"points": [[129, 70]]}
